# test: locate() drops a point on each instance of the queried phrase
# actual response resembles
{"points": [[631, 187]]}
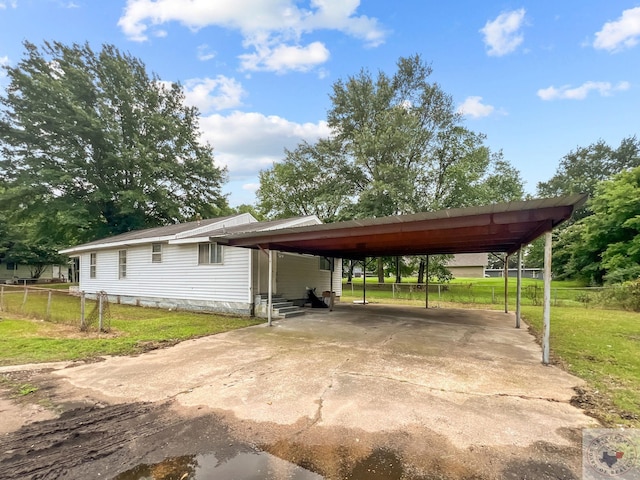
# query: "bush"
{"points": [[625, 295]]}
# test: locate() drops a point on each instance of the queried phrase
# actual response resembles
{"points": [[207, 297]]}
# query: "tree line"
{"points": [[93, 145]]}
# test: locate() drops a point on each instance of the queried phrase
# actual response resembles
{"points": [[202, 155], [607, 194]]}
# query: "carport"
{"points": [[501, 227]]}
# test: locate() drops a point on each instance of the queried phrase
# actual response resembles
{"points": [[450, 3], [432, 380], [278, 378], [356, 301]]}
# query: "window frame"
{"points": [[325, 267], [212, 248], [156, 256], [93, 265], [122, 264]]}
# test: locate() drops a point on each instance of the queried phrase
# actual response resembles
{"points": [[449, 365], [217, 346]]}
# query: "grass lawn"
{"points": [[598, 345], [133, 330]]}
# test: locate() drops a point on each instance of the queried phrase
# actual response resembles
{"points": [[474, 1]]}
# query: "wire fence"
{"points": [[88, 313], [605, 297]]}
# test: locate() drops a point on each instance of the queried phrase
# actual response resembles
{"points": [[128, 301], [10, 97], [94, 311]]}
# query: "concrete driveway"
{"points": [[467, 375]]}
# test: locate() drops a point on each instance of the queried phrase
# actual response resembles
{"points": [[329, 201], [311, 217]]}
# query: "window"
{"points": [[122, 264], [93, 262], [11, 266], [209, 253], [156, 253], [325, 263]]}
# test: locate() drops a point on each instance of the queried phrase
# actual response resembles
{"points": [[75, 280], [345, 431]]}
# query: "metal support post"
{"points": [[506, 283], [270, 288], [519, 288], [426, 285], [546, 309]]}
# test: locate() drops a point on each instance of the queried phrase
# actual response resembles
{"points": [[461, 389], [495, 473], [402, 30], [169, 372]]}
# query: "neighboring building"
{"points": [[16, 272], [537, 273], [468, 265], [188, 266]]}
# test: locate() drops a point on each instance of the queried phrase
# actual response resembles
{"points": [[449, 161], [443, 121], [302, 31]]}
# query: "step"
{"points": [[297, 313], [286, 309], [281, 304]]}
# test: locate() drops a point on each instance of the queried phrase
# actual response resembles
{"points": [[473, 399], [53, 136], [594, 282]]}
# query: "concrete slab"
{"points": [[467, 375]]}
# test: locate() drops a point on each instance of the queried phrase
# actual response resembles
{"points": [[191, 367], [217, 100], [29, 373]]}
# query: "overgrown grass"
{"points": [[134, 329]]}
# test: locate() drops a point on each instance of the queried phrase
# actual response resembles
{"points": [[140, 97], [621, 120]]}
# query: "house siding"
{"points": [[178, 280], [50, 272], [297, 272]]}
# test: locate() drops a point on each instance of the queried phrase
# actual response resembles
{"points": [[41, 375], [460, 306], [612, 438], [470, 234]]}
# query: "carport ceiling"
{"points": [[502, 227]]}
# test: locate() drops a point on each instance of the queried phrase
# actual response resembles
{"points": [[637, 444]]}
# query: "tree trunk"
{"points": [[398, 274], [380, 270], [350, 271], [421, 271]]}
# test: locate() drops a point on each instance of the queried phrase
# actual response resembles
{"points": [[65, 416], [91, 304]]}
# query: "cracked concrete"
{"points": [[466, 375]]}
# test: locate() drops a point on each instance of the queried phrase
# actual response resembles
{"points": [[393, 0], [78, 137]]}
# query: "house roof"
{"points": [[192, 232], [501, 227], [469, 260]]}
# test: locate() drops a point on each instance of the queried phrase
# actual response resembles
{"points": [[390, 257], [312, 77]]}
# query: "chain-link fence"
{"points": [[607, 297], [57, 305]]}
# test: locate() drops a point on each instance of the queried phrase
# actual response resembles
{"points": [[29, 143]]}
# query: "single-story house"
{"points": [[468, 265], [14, 272], [189, 266]]}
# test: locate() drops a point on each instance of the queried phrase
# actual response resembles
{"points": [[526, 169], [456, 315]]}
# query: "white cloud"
{"points": [[204, 53], [251, 187], [209, 94], [620, 34], [566, 92], [502, 35], [4, 62], [5, 5], [249, 142], [272, 29], [473, 107], [283, 58]]}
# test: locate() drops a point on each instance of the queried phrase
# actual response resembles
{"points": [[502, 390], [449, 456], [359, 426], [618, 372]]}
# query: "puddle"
{"points": [[244, 466], [380, 464]]}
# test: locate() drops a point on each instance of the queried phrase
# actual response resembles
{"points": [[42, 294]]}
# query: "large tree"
{"points": [[605, 246], [93, 145], [581, 171], [398, 146]]}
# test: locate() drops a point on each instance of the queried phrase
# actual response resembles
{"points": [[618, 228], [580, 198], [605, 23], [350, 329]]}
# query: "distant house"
{"points": [[14, 272], [188, 266], [468, 265]]}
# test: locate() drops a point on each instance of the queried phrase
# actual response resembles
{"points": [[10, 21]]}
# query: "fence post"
{"points": [[82, 299], [100, 297], [48, 316], [393, 289], [493, 294], [438, 292], [26, 293], [1, 298]]}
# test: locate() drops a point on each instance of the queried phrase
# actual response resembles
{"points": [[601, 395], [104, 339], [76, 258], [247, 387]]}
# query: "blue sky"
{"points": [[539, 78]]}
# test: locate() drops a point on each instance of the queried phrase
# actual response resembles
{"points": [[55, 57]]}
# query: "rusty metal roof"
{"points": [[501, 227]]}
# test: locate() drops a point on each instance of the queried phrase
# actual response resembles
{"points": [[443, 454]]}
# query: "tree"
{"points": [[398, 146], [92, 146], [606, 245], [311, 180], [581, 171]]}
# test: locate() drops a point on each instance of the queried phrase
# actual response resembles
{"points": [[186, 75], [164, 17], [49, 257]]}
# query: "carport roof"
{"points": [[501, 227]]}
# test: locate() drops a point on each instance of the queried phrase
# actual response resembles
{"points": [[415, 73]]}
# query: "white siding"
{"points": [[178, 276], [297, 272]]}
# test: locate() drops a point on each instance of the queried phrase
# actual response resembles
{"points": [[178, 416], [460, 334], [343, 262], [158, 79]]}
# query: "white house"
{"points": [[188, 266]]}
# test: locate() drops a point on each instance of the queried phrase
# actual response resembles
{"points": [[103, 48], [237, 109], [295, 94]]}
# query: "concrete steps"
{"points": [[281, 307]]}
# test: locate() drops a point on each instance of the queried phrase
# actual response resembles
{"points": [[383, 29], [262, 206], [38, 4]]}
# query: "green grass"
{"points": [[483, 291], [134, 329], [602, 347]]}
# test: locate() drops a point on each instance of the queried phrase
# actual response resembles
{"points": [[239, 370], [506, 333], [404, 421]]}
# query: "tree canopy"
{"points": [[397, 146], [93, 145]]}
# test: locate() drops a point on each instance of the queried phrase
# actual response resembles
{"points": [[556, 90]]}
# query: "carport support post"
{"points": [[364, 281], [270, 288], [519, 287], [546, 309], [506, 283], [426, 285], [331, 283]]}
